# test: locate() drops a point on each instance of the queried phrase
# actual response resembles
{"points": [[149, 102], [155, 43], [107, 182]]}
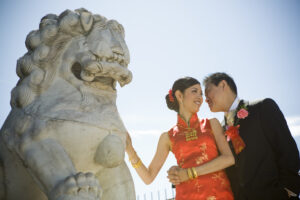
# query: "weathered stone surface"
{"points": [[64, 139]]}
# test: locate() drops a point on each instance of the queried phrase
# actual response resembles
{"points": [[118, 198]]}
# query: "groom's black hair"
{"points": [[216, 78]]}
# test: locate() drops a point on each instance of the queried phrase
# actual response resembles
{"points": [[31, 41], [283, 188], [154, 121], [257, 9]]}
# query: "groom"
{"points": [[267, 158]]}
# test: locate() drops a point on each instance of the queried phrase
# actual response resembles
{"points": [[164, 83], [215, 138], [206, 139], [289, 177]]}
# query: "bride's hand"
{"points": [[129, 146], [177, 175]]}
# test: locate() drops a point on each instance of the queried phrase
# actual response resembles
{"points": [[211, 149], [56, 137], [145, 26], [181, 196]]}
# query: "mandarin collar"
{"points": [[194, 121]]}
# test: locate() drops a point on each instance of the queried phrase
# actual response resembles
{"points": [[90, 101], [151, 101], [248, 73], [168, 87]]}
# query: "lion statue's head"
{"points": [[76, 48]]}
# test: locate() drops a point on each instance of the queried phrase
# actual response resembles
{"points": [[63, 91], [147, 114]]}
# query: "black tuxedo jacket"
{"points": [[270, 161]]}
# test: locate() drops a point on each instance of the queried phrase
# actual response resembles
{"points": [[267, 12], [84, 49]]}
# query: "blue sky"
{"points": [[257, 42]]}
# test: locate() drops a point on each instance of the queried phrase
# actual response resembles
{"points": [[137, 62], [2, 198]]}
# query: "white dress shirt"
{"points": [[234, 104], [230, 114]]}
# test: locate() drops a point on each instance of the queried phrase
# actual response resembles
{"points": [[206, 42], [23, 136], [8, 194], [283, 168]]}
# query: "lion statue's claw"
{"points": [[77, 187]]}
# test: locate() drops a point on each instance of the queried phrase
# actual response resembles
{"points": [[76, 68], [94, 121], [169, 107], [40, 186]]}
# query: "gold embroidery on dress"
{"points": [[211, 198], [191, 135], [203, 147], [201, 159], [204, 156], [198, 186], [219, 176]]}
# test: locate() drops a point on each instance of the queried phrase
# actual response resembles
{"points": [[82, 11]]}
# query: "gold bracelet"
{"points": [[189, 171], [137, 164], [195, 175]]}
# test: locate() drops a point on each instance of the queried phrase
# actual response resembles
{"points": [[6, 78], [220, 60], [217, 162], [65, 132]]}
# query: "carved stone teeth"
{"points": [[115, 58]]}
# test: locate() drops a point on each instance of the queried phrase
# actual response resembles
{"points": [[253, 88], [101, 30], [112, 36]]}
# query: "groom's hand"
{"points": [[176, 175]]}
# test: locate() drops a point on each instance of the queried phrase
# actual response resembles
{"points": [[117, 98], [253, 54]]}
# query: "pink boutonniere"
{"points": [[242, 113]]}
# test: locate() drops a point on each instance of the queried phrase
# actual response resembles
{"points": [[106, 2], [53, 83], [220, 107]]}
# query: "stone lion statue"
{"points": [[64, 138]]}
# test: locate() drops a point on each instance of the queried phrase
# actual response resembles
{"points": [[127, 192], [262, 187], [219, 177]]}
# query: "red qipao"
{"points": [[194, 145]]}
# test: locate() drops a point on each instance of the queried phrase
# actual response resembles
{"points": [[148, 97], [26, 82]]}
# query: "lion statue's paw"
{"points": [[78, 187]]}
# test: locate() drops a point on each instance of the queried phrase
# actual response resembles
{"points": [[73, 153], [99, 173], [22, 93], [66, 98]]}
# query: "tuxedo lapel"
{"points": [[241, 156]]}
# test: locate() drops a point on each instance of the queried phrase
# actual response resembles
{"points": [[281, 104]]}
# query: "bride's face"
{"points": [[191, 99]]}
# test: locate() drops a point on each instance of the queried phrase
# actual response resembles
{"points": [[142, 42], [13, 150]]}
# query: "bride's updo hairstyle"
{"points": [[180, 84]]}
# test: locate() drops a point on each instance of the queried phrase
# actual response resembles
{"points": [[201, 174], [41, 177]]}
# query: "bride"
{"points": [[199, 146]]}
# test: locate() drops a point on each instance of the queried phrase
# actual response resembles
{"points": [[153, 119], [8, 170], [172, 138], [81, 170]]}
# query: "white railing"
{"points": [[166, 194]]}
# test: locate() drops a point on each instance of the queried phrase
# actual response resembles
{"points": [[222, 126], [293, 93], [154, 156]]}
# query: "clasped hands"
{"points": [[177, 175]]}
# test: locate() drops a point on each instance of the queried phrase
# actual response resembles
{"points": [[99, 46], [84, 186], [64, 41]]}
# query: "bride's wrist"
{"points": [[132, 155], [130, 150], [135, 160]]}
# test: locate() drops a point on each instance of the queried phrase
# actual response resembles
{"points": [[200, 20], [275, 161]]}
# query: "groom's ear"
{"points": [[223, 84]]}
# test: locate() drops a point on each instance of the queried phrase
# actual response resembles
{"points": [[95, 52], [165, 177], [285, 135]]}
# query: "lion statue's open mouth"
{"points": [[104, 63], [103, 72]]}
